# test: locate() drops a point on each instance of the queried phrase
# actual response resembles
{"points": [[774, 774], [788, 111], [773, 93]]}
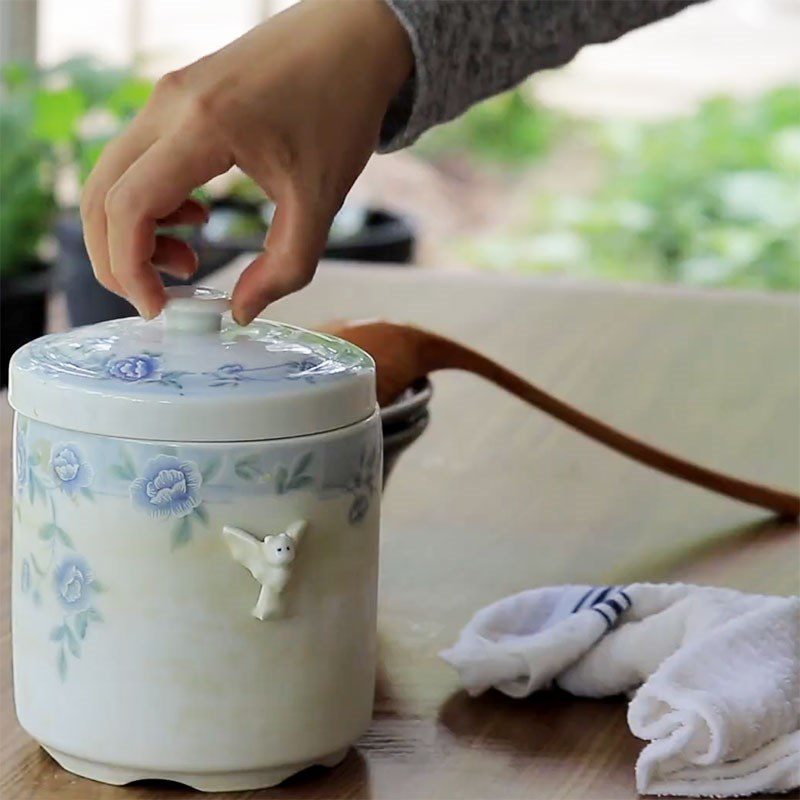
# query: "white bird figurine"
{"points": [[269, 562]]}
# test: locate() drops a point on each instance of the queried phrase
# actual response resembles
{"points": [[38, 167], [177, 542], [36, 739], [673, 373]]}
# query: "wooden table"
{"points": [[496, 498]]}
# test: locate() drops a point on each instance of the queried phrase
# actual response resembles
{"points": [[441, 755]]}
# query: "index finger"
{"points": [[116, 157], [154, 186]]}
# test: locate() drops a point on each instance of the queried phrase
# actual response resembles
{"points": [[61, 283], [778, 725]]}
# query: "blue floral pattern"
{"points": [[236, 374], [134, 356], [56, 565], [174, 484], [73, 582], [134, 368], [70, 469], [169, 487], [363, 483]]}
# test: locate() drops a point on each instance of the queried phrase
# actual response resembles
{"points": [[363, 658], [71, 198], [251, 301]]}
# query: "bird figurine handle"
{"points": [[269, 561]]}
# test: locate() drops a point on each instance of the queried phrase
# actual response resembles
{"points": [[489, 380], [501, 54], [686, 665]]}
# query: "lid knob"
{"points": [[195, 309]]}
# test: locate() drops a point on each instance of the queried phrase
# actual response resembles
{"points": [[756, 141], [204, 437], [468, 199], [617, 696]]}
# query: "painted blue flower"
{"points": [[73, 582], [21, 464], [169, 487], [133, 368], [25, 576], [70, 469], [229, 370]]}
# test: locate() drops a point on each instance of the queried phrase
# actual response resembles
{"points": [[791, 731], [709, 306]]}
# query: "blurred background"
{"points": [[669, 156]]}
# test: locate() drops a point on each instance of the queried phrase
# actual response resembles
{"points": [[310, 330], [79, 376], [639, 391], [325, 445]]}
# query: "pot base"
{"points": [[202, 781]]}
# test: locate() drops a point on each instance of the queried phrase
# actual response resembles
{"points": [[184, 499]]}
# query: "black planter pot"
{"points": [[87, 301], [357, 234], [235, 227], [23, 312]]}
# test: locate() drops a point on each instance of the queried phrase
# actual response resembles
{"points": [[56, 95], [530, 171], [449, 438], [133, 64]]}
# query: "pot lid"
{"points": [[193, 374]]}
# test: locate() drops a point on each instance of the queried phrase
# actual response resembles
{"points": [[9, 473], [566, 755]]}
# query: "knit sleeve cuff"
{"points": [[409, 113]]}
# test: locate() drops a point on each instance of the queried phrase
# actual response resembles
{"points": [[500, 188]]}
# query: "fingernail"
{"points": [[140, 310], [242, 317], [147, 309], [145, 313]]}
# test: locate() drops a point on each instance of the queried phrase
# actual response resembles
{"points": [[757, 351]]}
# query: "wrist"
{"points": [[392, 44], [373, 39]]}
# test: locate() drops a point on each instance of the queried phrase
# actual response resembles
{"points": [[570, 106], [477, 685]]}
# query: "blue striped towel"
{"points": [[714, 674]]}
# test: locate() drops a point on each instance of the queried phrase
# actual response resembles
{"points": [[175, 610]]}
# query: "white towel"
{"points": [[714, 674]]}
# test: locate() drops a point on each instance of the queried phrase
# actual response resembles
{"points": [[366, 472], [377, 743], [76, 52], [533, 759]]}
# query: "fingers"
{"points": [[191, 212], [175, 257], [117, 156], [294, 245], [151, 189]]}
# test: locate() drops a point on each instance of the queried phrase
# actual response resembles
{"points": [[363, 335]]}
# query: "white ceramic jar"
{"points": [[195, 547]]}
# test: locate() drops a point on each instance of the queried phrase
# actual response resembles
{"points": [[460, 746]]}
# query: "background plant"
{"points": [[54, 122], [506, 129], [710, 199]]}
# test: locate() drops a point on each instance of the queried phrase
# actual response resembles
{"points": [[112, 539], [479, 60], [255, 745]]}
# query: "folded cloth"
{"points": [[714, 675]]}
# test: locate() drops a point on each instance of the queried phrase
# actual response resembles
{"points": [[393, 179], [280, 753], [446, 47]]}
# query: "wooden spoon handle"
{"points": [[440, 350]]}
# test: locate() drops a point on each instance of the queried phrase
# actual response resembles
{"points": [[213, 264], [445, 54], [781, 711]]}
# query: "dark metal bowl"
{"points": [[403, 422]]}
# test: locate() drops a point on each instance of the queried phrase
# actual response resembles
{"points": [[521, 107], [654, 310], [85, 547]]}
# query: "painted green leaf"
{"points": [[210, 470], [119, 471], [93, 614], [41, 449], [36, 565], [72, 641], [57, 634], [64, 538], [201, 514], [87, 493], [36, 488], [81, 623], [98, 587], [247, 468], [127, 465], [300, 482], [181, 533], [302, 464], [48, 531], [280, 479], [62, 664]]}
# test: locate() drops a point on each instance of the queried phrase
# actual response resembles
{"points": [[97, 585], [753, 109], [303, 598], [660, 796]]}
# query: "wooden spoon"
{"points": [[404, 354]]}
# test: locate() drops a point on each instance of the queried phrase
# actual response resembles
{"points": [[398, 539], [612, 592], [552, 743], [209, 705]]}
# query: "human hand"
{"points": [[296, 103]]}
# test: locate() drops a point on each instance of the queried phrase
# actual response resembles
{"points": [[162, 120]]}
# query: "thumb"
{"points": [[294, 244]]}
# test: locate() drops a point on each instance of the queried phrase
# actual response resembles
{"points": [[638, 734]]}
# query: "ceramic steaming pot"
{"points": [[196, 510]]}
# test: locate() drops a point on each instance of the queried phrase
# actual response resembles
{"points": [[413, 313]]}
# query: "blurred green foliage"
{"points": [[53, 120], [27, 189], [506, 129], [712, 199]]}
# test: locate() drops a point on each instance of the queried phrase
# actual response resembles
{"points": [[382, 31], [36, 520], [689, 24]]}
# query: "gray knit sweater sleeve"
{"points": [[467, 50]]}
